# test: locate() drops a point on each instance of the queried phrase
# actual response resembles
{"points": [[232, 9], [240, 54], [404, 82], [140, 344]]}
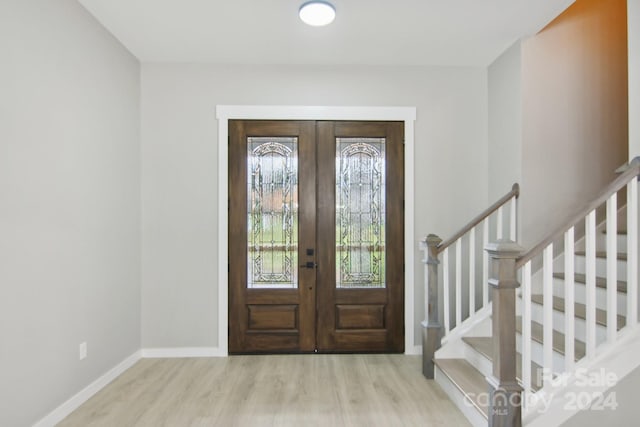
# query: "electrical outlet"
{"points": [[83, 350]]}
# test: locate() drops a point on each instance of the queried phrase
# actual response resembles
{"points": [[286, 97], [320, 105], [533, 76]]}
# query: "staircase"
{"points": [[572, 315]]}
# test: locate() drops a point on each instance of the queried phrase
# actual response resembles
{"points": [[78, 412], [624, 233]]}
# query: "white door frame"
{"points": [[224, 113]]}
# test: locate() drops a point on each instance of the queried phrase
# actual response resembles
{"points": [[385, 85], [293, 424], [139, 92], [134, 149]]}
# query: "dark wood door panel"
{"points": [[273, 317], [361, 341], [363, 296], [360, 316], [269, 342], [266, 296]]}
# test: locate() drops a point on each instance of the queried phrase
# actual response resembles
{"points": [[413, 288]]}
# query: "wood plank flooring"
{"points": [[283, 390]]}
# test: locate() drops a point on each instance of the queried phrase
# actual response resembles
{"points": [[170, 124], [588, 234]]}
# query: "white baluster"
{"points": [[569, 299], [472, 271], [612, 273], [513, 229], [499, 223], [590, 237], [547, 307], [458, 282], [632, 252], [526, 327], [445, 285], [485, 262]]}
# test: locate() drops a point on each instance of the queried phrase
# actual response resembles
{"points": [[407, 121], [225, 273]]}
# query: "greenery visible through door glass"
{"points": [[272, 212], [360, 213]]}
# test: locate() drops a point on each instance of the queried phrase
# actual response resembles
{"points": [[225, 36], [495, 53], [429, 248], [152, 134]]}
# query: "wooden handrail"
{"points": [[515, 192], [633, 170]]}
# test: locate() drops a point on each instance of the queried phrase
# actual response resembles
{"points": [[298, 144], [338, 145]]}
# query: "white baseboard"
{"points": [[174, 352], [62, 411], [415, 350]]}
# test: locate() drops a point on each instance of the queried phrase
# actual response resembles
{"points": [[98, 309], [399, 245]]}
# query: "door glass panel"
{"points": [[360, 212], [272, 212]]}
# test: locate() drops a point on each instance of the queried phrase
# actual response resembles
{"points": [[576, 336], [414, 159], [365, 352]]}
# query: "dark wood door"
{"points": [[361, 245], [316, 236], [272, 197]]}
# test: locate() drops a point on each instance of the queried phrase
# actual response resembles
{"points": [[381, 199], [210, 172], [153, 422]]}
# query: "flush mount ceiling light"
{"points": [[317, 13]]}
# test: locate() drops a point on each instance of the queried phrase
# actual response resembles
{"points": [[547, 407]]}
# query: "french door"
{"points": [[316, 236]]}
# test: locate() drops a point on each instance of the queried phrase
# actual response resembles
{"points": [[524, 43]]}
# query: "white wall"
{"points": [[505, 122], [69, 205], [575, 112], [558, 115], [179, 177]]}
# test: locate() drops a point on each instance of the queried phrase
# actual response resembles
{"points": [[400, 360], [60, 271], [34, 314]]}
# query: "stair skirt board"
{"points": [[463, 382], [620, 359]]}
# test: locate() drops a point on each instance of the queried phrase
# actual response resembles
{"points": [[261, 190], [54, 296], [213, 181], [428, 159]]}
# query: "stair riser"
{"points": [[580, 325], [601, 267], [537, 354], [580, 293], [478, 360], [471, 413], [621, 242]]}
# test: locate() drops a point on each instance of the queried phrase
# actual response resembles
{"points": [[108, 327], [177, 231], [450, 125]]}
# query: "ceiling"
{"points": [[365, 32]]}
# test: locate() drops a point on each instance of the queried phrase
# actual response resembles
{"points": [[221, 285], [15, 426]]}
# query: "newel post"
{"points": [[431, 328], [505, 394]]}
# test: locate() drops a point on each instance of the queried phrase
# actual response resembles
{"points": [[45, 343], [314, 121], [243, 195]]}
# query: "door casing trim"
{"points": [[224, 113]]}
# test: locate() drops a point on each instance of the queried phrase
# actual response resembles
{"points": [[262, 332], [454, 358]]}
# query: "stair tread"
{"points": [[580, 310], [603, 254], [601, 282], [467, 379], [537, 334], [620, 231], [484, 346]]}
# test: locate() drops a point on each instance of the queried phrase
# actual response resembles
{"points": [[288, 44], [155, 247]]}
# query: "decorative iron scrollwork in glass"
{"points": [[360, 213], [272, 212]]}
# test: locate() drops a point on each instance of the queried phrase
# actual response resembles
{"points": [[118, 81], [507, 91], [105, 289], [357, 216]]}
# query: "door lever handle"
{"points": [[309, 264]]}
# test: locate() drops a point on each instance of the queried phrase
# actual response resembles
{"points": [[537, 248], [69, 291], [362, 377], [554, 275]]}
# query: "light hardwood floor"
{"points": [[283, 390]]}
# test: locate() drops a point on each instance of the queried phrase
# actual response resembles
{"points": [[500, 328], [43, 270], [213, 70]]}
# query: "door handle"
{"points": [[309, 264]]}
